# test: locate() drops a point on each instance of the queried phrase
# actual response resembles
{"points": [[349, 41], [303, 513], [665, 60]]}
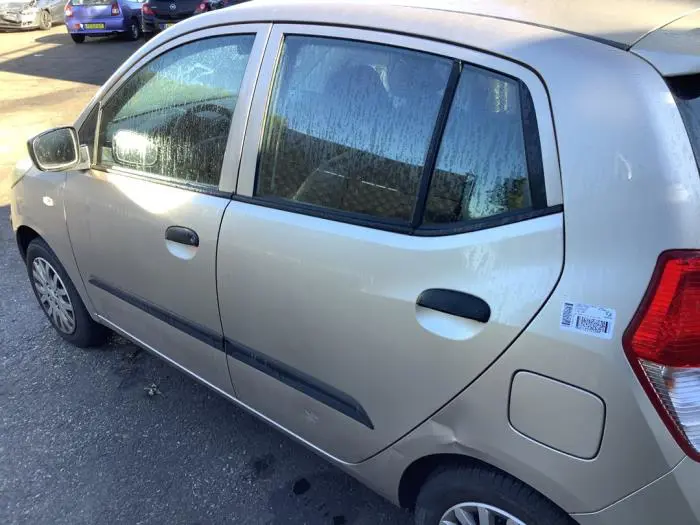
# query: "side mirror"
{"points": [[56, 150], [133, 149]]}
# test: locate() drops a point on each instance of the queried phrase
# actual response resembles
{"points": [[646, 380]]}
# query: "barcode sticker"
{"points": [[586, 319]]}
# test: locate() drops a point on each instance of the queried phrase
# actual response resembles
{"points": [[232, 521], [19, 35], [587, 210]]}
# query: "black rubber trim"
{"points": [[533, 149], [369, 221], [197, 331], [182, 235], [457, 303], [312, 387], [435, 142]]}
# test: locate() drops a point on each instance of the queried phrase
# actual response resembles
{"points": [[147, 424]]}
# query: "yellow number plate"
{"points": [[94, 26]]}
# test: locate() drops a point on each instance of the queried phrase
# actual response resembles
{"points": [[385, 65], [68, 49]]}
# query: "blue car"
{"points": [[103, 17]]}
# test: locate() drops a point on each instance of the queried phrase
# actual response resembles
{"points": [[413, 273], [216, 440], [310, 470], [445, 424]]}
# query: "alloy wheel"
{"points": [[53, 296], [478, 514]]}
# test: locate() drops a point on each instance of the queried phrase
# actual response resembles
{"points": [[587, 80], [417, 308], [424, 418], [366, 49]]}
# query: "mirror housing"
{"points": [[133, 149], [58, 150]]}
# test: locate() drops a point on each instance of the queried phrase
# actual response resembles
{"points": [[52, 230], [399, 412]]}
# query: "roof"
{"points": [[617, 22]]}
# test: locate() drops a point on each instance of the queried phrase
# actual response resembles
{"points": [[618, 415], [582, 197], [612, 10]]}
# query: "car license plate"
{"points": [[94, 26], [166, 26]]}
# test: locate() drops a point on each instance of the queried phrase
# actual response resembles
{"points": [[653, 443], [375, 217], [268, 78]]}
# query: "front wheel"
{"points": [[78, 39], [59, 299], [45, 21], [476, 495], [147, 35]]}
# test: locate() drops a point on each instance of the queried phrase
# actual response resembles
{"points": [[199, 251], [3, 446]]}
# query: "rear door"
{"points": [[398, 222]]}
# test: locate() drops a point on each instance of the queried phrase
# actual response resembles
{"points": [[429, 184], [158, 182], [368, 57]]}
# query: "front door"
{"points": [[144, 221], [392, 234]]}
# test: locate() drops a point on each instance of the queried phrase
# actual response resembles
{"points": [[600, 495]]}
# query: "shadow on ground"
{"points": [[56, 56], [116, 435]]}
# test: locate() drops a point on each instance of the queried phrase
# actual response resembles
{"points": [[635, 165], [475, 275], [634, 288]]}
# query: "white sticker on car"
{"points": [[586, 319]]}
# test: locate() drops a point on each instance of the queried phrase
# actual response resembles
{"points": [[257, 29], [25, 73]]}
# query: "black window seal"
{"points": [[533, 148], [435, 143], [395, 226]]}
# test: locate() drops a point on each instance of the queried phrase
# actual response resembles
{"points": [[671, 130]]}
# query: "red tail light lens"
{"points": [[68, 10], [115, 9], [146, 10], [663, 345], [201, 8]]}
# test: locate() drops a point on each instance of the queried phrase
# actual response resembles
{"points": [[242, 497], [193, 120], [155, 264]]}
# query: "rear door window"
{"points": [[398, 138], [349, 126]]}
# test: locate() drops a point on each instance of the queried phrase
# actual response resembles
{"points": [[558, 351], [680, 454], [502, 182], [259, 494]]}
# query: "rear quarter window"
{"points": [[686, 91]]}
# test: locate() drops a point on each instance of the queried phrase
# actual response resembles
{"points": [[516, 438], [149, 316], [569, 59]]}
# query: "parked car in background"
{"points": [[453, 247], [159, 15], [31, 14], [103, 17]]}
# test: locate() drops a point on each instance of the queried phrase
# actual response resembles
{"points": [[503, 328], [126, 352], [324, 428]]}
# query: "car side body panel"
{"points": [[38, 202]]}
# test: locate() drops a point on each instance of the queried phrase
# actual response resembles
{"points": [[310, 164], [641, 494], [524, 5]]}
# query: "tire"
{"points": [[134, 31], [45, 21], [148, 36], [78, 39], [52, 285], [496, 492]]}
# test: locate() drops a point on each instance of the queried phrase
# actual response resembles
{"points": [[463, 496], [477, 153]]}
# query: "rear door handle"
{"points": [[456, 303], [182, 235]]}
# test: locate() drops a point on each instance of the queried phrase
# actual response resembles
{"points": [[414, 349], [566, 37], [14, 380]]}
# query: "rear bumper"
{"points": [[153, 24], [111, 25], [673, 498]]}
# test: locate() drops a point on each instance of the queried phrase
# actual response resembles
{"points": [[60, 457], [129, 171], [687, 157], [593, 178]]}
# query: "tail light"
{"points": [[115, 9], [68, 10], [662, 344], [201, 8], [147, 10]]}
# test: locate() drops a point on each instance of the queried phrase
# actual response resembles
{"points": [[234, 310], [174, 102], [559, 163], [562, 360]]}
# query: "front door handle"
{"points": [[182, 235], [456, 303]]}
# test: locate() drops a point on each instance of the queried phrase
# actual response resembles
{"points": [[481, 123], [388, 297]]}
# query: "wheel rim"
{"points": [[134, 31], [53, 296], [478, 514], [45, 17]]}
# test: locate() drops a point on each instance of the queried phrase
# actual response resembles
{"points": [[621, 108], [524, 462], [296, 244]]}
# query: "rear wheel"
{"points": [[78, 39], [476, 495], [44, 20], [134, 31], [59, 299]]}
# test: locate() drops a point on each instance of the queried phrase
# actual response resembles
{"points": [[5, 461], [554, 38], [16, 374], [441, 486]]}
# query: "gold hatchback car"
{"points": [[453, 247]]}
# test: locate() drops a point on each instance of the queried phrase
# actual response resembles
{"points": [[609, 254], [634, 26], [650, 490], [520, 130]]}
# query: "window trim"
{"points": [[550, 175], [234, 143]]}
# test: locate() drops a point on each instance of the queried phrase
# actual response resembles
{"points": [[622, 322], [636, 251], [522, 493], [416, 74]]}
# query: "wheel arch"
{"points": [[418, 472], [24, 236]]}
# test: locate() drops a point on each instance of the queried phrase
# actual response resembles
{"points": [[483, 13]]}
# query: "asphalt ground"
{"points": [[81, 439]]}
